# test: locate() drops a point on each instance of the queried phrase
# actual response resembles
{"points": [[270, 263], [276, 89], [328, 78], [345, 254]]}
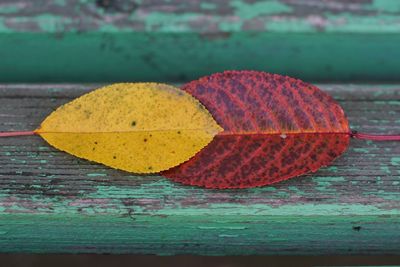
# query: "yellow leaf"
{"points": [[137, 127]]}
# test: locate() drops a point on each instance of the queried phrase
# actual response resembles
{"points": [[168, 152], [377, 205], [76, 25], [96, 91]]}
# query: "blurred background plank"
{"points": [[51, 201], [178, 40]]}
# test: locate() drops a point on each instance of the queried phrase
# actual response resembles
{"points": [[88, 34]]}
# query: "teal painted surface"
{"points": [[171, 40], [53, 202], [193, 234], [366, 16], [88, 57]]}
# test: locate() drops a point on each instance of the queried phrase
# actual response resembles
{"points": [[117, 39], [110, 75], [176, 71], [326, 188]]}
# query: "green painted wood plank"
{"points": [[160, 40], [207, 234], [35, 57], [53, 202]]}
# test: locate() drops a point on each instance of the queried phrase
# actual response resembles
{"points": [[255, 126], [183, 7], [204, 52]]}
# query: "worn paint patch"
{"points": [[96, 174], [286, 210], [362, 24], [385, 169], [168, 22], [208, 6], [391, 6], [289, 26], [361, 150], [8, 9], [176, 16], [395, 161], [251, 10], [325, 183]]}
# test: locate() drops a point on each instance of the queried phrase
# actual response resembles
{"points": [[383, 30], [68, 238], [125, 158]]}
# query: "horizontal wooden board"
{"points": [[175, 40], [53, 202]]}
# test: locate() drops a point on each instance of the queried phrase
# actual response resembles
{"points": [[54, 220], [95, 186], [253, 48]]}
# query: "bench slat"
{"points": [[51, 201], [175, 40]]}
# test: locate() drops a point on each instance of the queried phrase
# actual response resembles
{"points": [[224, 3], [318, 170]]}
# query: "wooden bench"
{"points": [[53, 202]]}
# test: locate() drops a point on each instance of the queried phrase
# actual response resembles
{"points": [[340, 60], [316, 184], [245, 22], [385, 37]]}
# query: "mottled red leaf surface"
{"points": [[275, 128]]}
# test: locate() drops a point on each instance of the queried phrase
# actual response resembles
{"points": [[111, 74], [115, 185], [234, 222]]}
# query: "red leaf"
{"points": [[275, 128]]}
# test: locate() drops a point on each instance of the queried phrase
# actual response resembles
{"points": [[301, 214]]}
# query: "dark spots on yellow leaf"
{"points": [[87, 113], [147, 108]]}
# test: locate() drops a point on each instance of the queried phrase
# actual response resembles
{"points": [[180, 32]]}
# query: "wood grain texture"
{"points": [[201, 16], [175, 40], [53, 202]]}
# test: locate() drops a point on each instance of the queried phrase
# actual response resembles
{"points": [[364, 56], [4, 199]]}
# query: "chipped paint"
{"points": [[208, 6], [391, 6], [380, 16], [96, 174], [251, 10], [395, 161]]}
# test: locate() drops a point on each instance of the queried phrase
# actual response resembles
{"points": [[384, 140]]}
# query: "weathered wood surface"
{"points": [[201, 16], [53, 202], [177, 40]]}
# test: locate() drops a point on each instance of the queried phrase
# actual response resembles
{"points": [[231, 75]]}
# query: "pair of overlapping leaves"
{"points": [[234, 129]]}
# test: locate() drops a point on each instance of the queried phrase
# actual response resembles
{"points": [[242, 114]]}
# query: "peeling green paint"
{"points": [[395, 161], [391, 6], [285, 210], [289, 26], [3, 27], [385, 169], [361, 150], [167, 22], [347, 22], [324, 183], [251, 10], [206, 17], [392, 102], [8, 9], [208, 5], [60, 2], [332, 168], [96, 174], [231, 26]]}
